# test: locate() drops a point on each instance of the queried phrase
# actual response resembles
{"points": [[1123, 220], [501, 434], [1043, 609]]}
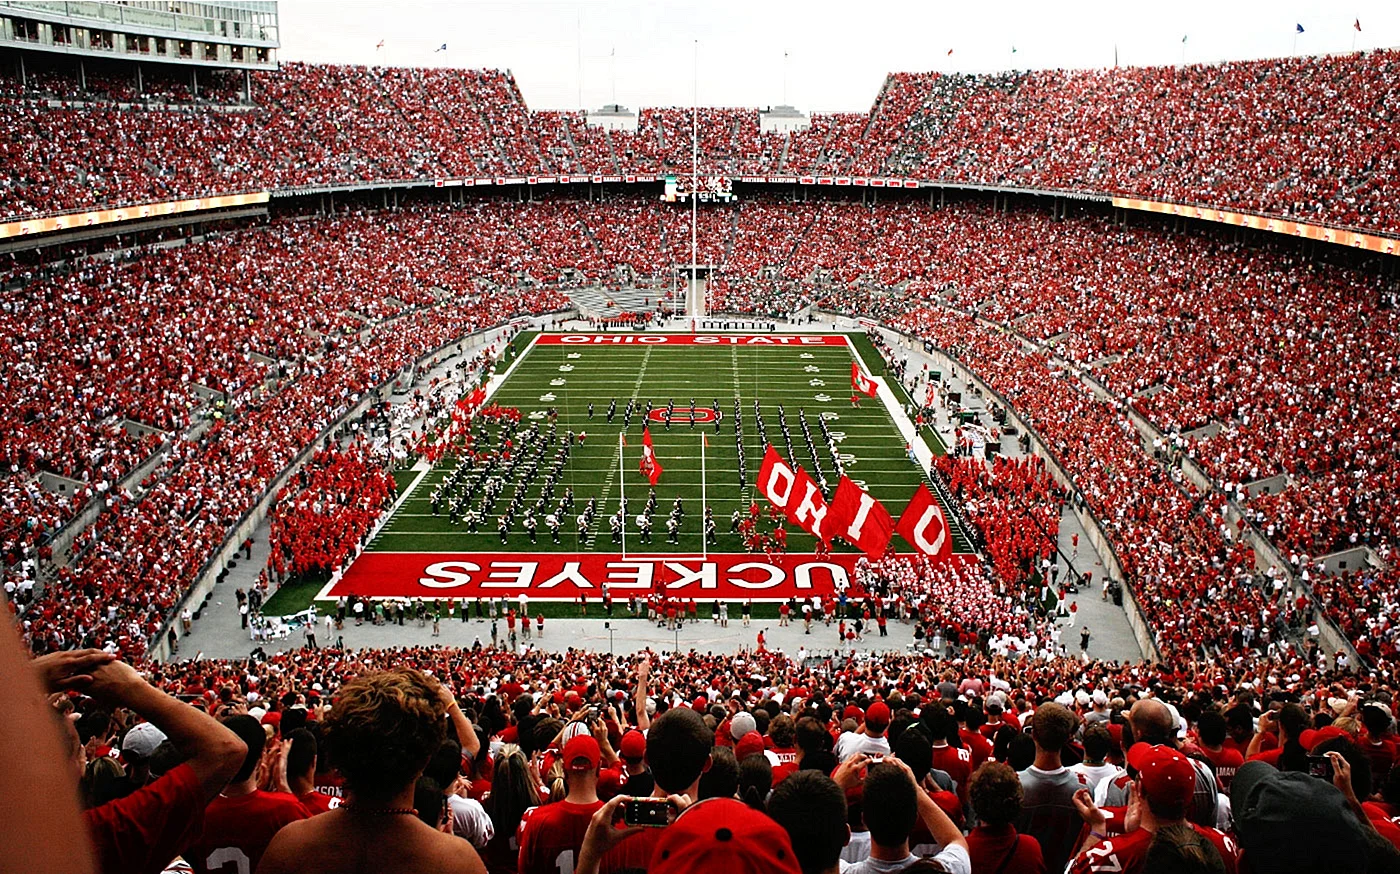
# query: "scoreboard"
{"points": [[709, 189]]}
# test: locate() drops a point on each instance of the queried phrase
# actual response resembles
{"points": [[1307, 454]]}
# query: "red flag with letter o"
{"points": [[924, 525], [864, 384], [856, 517], [650, 467]]}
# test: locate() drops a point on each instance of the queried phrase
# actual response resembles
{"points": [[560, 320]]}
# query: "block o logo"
{"points": [[681, 415]]}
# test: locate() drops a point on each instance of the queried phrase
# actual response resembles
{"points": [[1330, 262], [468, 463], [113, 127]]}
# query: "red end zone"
{"points": [[561, 576], [689, 340]]}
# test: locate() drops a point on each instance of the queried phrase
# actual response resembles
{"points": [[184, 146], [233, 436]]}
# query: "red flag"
{"points": [[1357, 25], [859, 519], [924, 525], [650, 467], [862, 383], [808, 507], [777, 481]]}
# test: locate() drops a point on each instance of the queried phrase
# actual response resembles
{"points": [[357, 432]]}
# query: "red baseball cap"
{"points": [[582, 754], [852, 712], [748, 745], [721, 834], [1311, 737], [1164, 774], [877, 716], [634, 745]]}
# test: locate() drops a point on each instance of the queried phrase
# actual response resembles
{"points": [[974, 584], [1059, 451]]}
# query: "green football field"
{"points": [[814, 380]]}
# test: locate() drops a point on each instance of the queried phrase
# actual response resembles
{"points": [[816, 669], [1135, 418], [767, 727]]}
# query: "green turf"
{"points": [[403, 479], [811, 378]]}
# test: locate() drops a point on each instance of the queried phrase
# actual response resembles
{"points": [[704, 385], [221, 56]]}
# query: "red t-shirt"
{"points": [[1226, 762], [1127, 854], [552, 832], [1270, 756], [1386, 818], [1000, 848], [237, 830], [981, 747], [957, 761], [318, 802], [633, 854], [146, 829]]}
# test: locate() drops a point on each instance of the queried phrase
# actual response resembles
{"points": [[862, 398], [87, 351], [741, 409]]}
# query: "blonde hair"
{"points": [[383, 728]]}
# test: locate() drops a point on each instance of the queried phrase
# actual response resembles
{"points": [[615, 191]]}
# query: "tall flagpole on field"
{"points": [[704, 540], [622, 491], [694, 171]]}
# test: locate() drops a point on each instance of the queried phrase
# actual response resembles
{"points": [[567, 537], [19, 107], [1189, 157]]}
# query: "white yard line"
{"points": [[901, 420]]}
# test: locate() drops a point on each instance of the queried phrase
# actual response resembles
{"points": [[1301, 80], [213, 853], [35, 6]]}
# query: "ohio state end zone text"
{"points": [[563, 576]]}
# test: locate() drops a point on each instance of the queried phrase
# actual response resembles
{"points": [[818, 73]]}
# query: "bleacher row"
{"points": [[1294, 360], [1307, 138]]}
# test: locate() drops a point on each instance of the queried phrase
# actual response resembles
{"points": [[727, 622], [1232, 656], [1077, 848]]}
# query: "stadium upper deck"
{"points": [[1312, 139]]}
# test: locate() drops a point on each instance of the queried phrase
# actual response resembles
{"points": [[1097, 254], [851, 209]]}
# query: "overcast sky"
{"points": [[567, 54]]}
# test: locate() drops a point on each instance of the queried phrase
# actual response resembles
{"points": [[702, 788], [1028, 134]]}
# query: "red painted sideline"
{"points": [[561, 576], [690, 340]]}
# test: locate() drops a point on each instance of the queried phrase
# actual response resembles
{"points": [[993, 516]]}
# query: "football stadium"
{"points": [[504, 437]]}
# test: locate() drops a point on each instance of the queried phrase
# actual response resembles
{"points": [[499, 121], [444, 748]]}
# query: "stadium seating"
{"points": [[1295, 137], [1098, 290]]}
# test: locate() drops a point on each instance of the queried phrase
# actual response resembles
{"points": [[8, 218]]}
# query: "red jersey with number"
{"points": [[318, 802], [1127, 854], [957, 761], [550, 836], [237, 830]]}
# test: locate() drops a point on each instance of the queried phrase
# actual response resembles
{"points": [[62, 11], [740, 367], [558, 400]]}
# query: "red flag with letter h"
{"points": [[650, 467]]}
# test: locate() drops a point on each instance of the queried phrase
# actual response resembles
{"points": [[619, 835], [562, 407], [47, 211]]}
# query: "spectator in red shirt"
{"points": [[551, 835], [994, 844], [1211, 732], [145, 830], [241, 822], [301, 772], [380, 734]]}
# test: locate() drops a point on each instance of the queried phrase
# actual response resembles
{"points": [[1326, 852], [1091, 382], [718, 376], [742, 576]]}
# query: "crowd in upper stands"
{"points": [[1305, 138]]}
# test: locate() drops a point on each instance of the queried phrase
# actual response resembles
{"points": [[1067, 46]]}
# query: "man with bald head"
{"points": [[1151, 721]]}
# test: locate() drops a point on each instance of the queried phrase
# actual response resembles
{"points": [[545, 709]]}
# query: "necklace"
{"points": [[379, 811]]}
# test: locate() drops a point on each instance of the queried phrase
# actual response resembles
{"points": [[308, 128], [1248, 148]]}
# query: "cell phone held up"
{"points": [[1320, 766], [646, 812]]}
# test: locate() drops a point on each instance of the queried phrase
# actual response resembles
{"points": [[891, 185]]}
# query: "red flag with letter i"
{"points": [[650, 467], [859, 519]]}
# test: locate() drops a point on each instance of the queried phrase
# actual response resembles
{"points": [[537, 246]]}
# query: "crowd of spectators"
{"points": [[320, 519], [1302, 138], [1186, 330], [1015, 505], [232, 314], [436, 758]]}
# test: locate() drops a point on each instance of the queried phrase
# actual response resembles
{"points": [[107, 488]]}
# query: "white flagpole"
{"points": [[694, 173], [704, 540], [622, 492]]}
